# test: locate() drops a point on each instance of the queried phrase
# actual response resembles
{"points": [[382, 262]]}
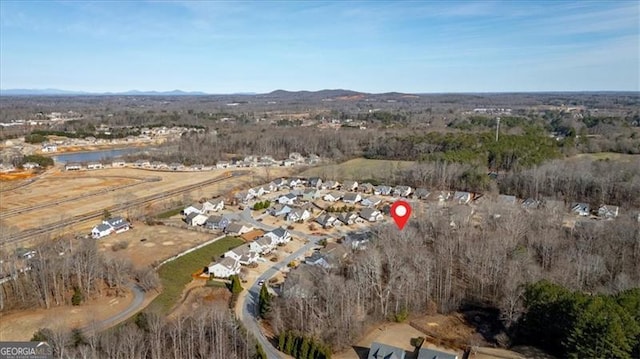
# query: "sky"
{"points": [[369, 46]]}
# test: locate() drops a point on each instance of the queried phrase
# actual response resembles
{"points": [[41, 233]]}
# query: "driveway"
{"points": [[133, 308]]}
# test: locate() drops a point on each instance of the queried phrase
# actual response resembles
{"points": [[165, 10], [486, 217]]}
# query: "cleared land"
{"points": [[611, 156], [46, 201], [176, 274], [358, 169]]}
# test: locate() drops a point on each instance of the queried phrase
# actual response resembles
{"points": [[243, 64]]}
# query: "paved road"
{"points": [[249, 302], [134, 307]]}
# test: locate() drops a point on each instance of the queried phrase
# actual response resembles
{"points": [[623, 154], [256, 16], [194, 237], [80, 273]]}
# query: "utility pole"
{"points": [[497, 128]]}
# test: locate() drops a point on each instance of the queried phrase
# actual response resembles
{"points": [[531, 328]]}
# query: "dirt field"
{"points": [[357, 169], [161, 242], [43, 201], [21, 325]]}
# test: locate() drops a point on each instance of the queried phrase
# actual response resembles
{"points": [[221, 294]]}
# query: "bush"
{"points": [[120, 245], [401, 316], [77, 297], [417, 342]]}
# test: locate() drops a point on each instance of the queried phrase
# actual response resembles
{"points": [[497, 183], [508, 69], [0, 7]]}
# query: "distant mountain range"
{"points": [[57, 92]]}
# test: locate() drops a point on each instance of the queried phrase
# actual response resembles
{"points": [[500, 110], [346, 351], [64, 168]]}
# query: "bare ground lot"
{"points": [[58, 186]]}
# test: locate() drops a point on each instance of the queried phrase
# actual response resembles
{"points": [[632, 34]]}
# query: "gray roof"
{"points": [[103, 227], [384, 351], [234, 227], [426, 353], [279, 232], [350, 196], [324, 219], [367, 212]]}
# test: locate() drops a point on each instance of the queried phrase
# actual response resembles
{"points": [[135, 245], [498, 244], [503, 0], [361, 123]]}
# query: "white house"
{"points": [[30, 165], [279, 235], [371, 215], [114, 224], [94, 165], [326, 220], [382, 190], [299, 214], [224, 268], [118, 163], [295, 182], [330, 184], [244, 196], [242, 254], [348, 218], [73, 167], [371, 201], [256, 191], [332, 197], [280, 210], [213, 206], [196, 219], [222, 164], [262, 245], [402, 191], [49, 148], [608, 211], [194, 208], [288, 199], [349, 185], [351, 198]]}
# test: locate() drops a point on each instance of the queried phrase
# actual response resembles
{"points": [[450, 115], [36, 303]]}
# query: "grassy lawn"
{"points": [[170, 213], [176, 274], [358, 169]]}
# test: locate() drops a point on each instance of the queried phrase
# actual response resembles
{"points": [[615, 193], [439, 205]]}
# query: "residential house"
{"points": [[351, 198], [428, 353], [237, 229], [142, 163], [196, 219], [288, 199], [213, 205], [348, 218], [371, 201], [441, 196], [262, 245], [384, 351], [94, 166], [371, 215], [101, 230], [217, 222], [310, 194], [224, 268], [114, 224], [243, 254], [314, 182], [402, 191], [118, 163], [48, 147], [530, 203], [288, 163], [73, 167], [357, 240], [270, 187], [326, 220], [366, 188], [318, 259], [293, 182], [332, 196], [580, 209], [280, 183], [349, 185], [30, 165], [608, 211], [382, 190], [222, 164], [421, 193], [298, 215], [334, 251], [507, 199], [194, 208], [461, 197], [330, 184], [280, 210], [279, 235], [244, 196]]}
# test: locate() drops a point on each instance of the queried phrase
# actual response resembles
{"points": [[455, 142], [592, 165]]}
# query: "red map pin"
{"points": [[400, 211]]}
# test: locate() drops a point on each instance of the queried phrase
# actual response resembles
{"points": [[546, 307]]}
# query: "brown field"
{"points": [[16, 176], [62, 195], [161, 242]]}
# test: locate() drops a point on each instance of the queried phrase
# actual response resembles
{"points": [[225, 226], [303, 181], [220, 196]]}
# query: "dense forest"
{"points": [[434, 266]]}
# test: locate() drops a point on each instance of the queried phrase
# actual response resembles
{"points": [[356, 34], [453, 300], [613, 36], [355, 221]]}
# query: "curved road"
{"points": [[249, 302], [133, 308]]}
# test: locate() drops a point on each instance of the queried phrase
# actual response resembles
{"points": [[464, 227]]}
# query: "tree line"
{"points": [[58, 274], [445, 260]]}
